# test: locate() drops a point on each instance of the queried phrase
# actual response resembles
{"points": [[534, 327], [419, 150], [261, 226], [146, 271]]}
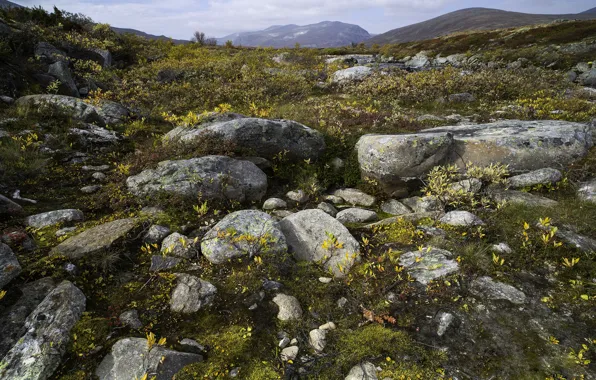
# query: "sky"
{"points": [[218, 18]]}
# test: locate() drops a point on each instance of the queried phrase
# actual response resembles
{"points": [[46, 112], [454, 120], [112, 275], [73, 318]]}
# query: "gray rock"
{"points": [[502, 248], [363, 371], [444, 321], [586, 192], [178, 245], [90, 135], [471, 185], [328, 208], [99, 176], [520, 197], [395, 207], [314, 236], [112, 113], [49, 53], [356, 215], [428, 264], [90, 189], [297, 196], [191, 294], [38, 353], [156, 234], [6, 100], [389, 159], [461, 219], [13, 318], [523, 145], [464, 97], [61, 71], [355, 197], [191, 345], [267, 138], [211, 177], [9, 265], [161, 263], [573, 239], [333, 199], [430, 118], [351, 74], [289, 353], [487, 288], [537, 177], [418, 62], [98, 168], [243, 233], [289, 307], [131, 358], [54, 217], [317, 339], [588, 79], [8, 207], [337, 164], [424, 204], [65, 231], [131, 319], [95, 239], [274, 204]]}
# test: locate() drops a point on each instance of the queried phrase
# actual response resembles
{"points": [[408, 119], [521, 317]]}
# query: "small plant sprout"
{"points": [[201, 210], [2, 294], [553, 340], [498, 260], [152, 341], [570, 263]]}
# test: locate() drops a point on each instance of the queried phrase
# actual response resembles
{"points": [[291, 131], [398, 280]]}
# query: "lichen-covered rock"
{"points": [[191, 294], [211, 177], [351, 74], [274, 204], [48, 53], [243, 233], [178, 245], [314, 236], [54, 217], [544, 176], [299, 196], [395, 207], [38, 353], [390, 159], [131, 319], [424, 204], [61, 71], [317, 339], [328, 208], [9, 265], [132, 358], [461, 219], [266, 138], [355, 197], [363, 371], [356, 215], [95, 239], [521, 197], [289, 307], [156, 234], [587, 191], [487, 288], [160, 263], [428, 264]]}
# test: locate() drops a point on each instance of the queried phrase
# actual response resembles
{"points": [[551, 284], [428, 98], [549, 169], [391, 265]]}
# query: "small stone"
{"points": [[192, 346], [521, 197], [428, 264], [333, 199], [235, 372], [464, 97], [274, 204], [131, 319], [342, 302], [191, 294], [395, 207], [65, 231], [90, 189], [289, 307], [99, 168], [280, 214], [178, 245], [325, 280], [318, 339], [337, 164], [328, 208], [156, 234], [284, 342], [294, 342], [445, 320], [502, 248], [363, 371], [160, 263], [487, 288], [269, 285], [71, 269], [99, 176], [297, 196], [355, 197], [289, 353], [471, 185], [537, 177], [328, 326], [50, 218], [424, 204], [9, 265], [461, 219], [587, 191], [356, 215]]}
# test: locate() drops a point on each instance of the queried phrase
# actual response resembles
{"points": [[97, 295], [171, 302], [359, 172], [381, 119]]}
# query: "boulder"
{"points": [[586, 192], [363, 371], [314, 236], [418, 62], [48, 53], [161, 263], [356, 73], [38, 353], [266, 138], [132, 358], [588, 78], [523, 145], [156, 234], [243, 233], [8, 101], [130, 318], [461, 219], [428, 264], [389, 159], [8, 207], [90, 134], [328, 208], [210, 177], [299, 196], [355, 197], [487, 288], [274, 204], [464, 97], [100, 56], [521, 197], [424, 204], [9, 265], [356, 215], [470, 185], [95, 239], [544, 176], [289, 307], [54, 217], [112, 113], [395, 207], [191, 294], [178, 245], [61, 72]]}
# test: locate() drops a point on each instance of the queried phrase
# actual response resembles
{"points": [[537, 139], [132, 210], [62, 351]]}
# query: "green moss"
{"points": [[88, 333]]}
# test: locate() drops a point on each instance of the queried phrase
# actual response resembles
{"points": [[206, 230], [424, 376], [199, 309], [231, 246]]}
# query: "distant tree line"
{"points": [[201, 39]]}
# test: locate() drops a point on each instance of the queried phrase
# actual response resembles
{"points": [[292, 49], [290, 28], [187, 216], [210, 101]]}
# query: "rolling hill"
{"points": [[146, 35], [6, 4], [469, 19], [323, 34]]}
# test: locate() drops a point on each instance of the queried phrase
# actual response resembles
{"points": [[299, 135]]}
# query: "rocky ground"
{"points": [[232, 246]]}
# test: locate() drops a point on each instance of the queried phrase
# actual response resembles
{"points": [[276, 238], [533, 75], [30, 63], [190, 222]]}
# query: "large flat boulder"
{"points": [[9, 265], [351, 74], [243, 233], [95, 239], [38, 353], [50, 218], [312, 235], [132, 358], [211, 177], [261, 137]]}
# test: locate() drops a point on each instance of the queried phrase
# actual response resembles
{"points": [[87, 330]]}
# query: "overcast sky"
{"points": [[179, 18]]}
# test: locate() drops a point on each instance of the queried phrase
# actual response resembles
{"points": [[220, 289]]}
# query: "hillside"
{"points": [[590, 11], [323, 34], [6, 4], [469, 19], [147, 35]]}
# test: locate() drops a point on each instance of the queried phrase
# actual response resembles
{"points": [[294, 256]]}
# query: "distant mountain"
{"points": [[146, 35], [7, 4], [323, 34], [469, 19]]}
